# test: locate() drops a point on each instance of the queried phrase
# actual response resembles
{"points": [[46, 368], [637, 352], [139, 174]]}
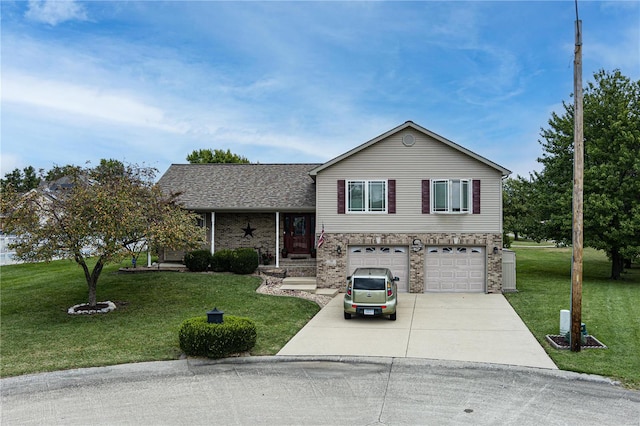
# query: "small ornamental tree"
{"points": [[107, 212]]}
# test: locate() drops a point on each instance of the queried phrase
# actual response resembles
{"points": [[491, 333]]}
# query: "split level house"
{"points": [[409, 199]]}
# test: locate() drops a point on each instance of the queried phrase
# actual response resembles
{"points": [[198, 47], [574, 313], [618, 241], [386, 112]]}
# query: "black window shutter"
{"points": [[341, 196], [426, 196], [476, 196], [392, 196]]}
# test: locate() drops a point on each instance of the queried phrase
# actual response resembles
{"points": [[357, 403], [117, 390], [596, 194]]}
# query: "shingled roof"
{"points": [[242, 187]]}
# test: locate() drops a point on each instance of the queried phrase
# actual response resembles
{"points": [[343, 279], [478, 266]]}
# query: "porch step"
{"points": [[327, 291], [297, 262], [307, 284]]}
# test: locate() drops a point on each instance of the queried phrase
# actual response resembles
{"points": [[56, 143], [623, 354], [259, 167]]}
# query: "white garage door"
{"points": [[396, 258], [455, 269]]}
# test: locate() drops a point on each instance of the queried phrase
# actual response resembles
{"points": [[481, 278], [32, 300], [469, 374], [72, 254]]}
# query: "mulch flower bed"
{"points": [[559, 342]]}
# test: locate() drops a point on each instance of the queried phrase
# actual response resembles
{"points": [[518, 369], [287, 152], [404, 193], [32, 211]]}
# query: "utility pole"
{"points": [[578, 189]]}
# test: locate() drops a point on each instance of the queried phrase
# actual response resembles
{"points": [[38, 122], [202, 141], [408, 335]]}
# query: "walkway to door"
{"points": [[462, 327]]}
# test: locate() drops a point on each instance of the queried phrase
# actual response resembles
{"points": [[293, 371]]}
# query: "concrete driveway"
{"points": [[460, 327]]}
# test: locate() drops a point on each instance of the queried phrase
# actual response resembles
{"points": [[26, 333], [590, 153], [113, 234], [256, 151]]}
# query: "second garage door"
{"points": [[395, 258], [455, 269]]}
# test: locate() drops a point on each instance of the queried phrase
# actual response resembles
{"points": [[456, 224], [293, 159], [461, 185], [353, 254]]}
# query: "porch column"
{"points": [[213, 232], [277, 256]]}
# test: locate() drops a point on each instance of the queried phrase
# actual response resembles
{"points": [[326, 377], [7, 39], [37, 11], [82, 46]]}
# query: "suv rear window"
{"points": [[369, 283]]}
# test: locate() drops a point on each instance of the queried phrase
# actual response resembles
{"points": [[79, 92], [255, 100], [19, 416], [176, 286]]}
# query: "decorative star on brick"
{"points": [[248, 231]]}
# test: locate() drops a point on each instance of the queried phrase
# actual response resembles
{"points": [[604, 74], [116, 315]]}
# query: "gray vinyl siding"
{"points": [[426, 159]]}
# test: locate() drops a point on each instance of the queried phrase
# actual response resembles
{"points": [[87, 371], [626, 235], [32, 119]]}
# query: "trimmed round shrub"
{"points": [[197, 260], [244, 261], [221, 260], [233, 335]]}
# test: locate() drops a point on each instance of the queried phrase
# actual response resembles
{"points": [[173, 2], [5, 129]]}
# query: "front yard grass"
{"points": [[610, 310], [37, 334], [530, 243]]}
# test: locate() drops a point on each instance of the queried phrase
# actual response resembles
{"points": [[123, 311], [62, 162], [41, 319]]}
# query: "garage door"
{"points": [[455, 269], [396, 258]]}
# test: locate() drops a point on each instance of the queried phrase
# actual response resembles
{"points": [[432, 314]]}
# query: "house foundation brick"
{"points": [[332, 265]]}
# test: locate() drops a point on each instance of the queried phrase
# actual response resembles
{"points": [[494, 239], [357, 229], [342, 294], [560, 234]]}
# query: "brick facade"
{"points": [[332, 266], [230, 231]]}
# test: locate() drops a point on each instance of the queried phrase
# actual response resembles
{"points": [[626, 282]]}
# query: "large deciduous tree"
{"points": [[611, 169], [203, 156], [516, 206], [106, 212]]}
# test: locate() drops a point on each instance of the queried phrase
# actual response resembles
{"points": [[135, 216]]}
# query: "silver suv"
{"points": [[371, 292]]}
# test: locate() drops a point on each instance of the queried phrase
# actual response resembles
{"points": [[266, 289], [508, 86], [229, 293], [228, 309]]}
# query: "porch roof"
{"points": [[242, 187]]}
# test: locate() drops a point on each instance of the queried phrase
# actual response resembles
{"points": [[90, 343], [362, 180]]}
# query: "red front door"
{"points": [[298, 233]]}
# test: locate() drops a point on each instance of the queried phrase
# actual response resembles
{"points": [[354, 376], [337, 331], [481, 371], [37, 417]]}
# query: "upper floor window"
{"points": [[367, 196], [451, 196]]}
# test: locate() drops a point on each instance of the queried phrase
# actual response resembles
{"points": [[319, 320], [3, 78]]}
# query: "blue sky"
{"points": [[148, 82]]}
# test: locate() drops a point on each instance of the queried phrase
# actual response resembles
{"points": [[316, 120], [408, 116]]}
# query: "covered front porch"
{"points": [[285, 241], [276, 236]]}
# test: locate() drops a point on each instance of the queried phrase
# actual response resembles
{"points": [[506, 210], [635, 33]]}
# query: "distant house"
{"points": [[409, 199], [45, 194]]}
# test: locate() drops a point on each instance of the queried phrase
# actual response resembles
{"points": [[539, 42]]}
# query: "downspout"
{"points": [[213, 232], [277, 256]]}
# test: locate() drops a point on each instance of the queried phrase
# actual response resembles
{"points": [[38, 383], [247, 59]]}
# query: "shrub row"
{"points": [[200, 338], [239, 261], [198, 260]]}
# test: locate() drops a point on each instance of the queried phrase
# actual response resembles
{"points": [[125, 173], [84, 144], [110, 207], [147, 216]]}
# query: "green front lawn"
{"points": [[37, 334], [610, 310], [530, 243]]}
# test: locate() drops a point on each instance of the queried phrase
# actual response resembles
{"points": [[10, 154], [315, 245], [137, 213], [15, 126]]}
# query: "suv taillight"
{"points": [[389, 291], [349, 290]]}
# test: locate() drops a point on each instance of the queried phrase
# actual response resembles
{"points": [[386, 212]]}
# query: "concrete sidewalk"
{"points": [[460, 327]]}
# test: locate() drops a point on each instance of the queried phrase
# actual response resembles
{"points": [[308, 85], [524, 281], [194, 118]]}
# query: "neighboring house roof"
{"points": [[242, 187], [65, 182], [411, 124]]}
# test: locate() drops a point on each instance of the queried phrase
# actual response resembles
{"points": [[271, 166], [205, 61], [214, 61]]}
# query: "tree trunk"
{"points": [[617, 263], [93, 281], [91, 277], [92, 293]]}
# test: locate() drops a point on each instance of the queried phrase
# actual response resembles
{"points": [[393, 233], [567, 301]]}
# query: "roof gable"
{"points": [[412, 125], [241, 187]]}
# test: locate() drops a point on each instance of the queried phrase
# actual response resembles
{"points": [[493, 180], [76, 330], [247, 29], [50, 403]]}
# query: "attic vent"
{"points": [[408, 140]]}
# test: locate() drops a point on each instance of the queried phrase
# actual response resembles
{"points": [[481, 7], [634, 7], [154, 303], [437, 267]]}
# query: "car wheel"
{"points": [[392, 317], [347, 315]]}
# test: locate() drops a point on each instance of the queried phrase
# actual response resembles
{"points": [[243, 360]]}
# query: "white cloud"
{"points": [[299, 82], [9, 162], [92, 102], [624, 54], [53, 12]]}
